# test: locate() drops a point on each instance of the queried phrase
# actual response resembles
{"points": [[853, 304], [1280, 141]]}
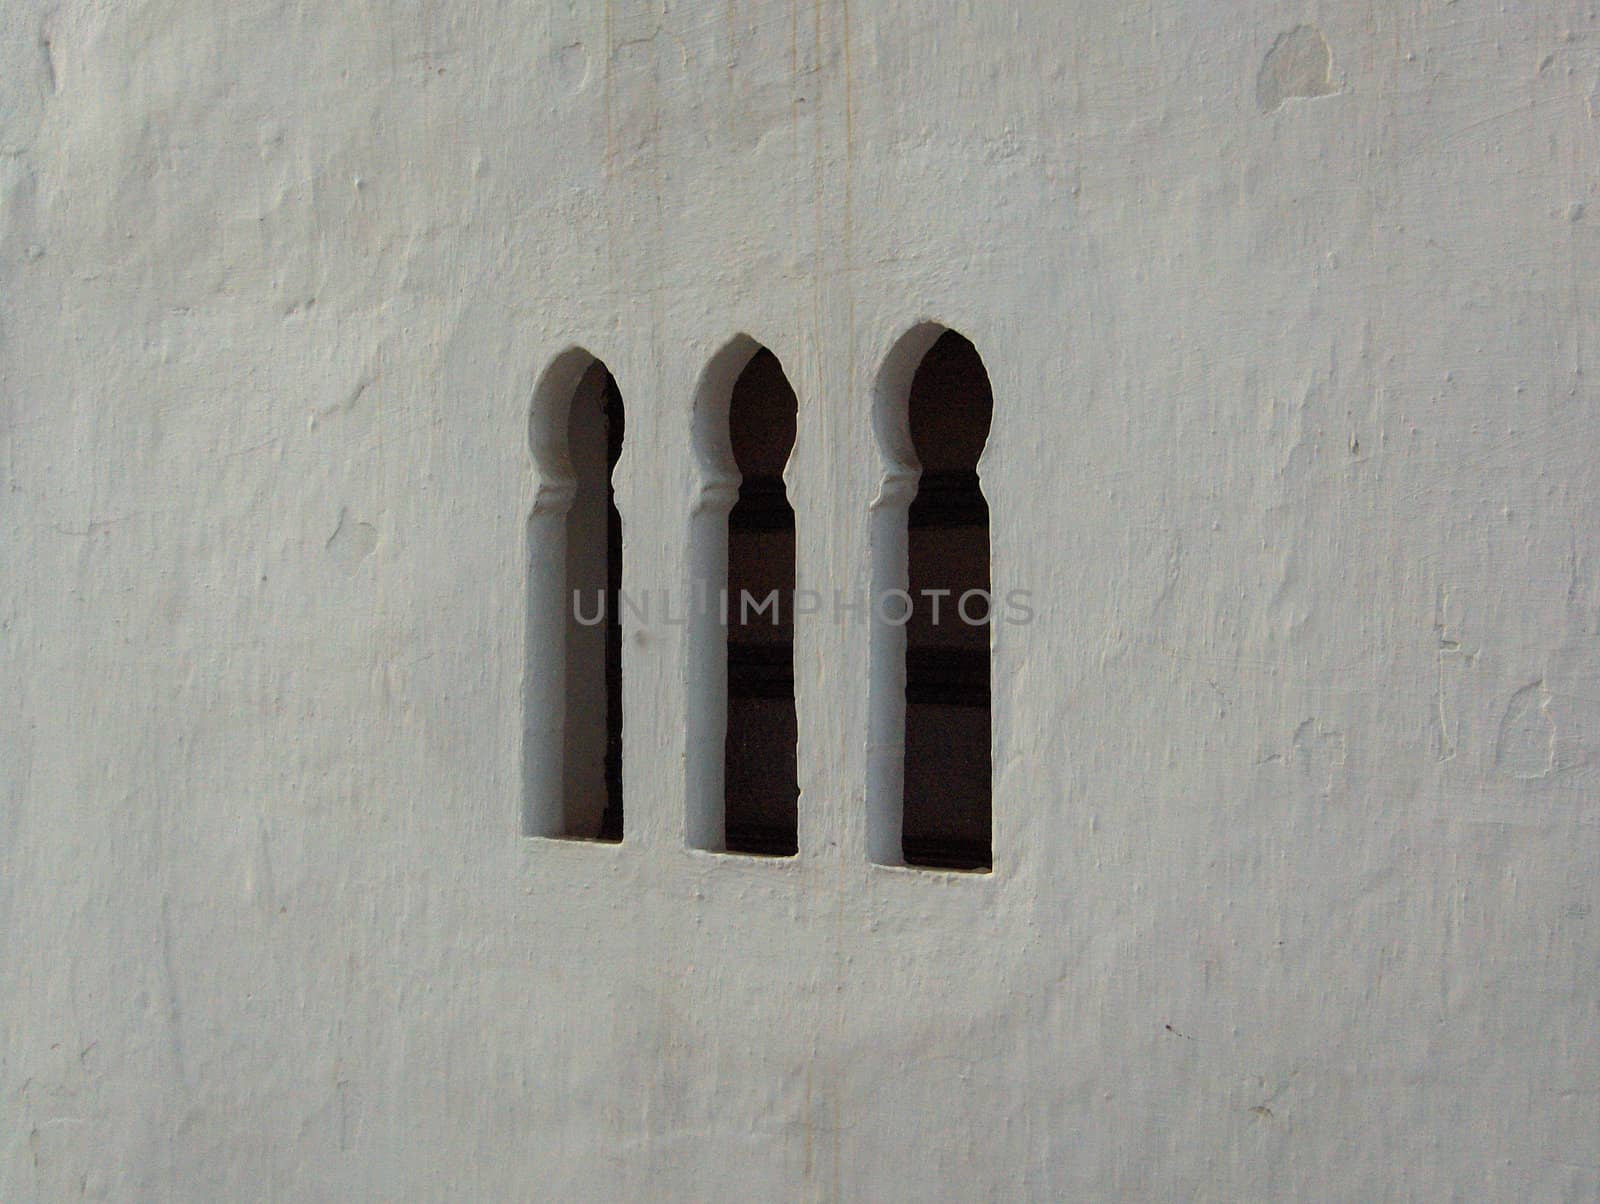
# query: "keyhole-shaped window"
{"points": [[759, 767], [930, 761], [572, 716], [743, 792]]}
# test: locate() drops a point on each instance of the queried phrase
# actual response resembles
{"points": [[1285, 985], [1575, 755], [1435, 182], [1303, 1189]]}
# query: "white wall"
{"points": [[1297, 806]]}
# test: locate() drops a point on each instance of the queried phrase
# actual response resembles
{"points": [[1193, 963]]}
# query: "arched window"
{"points": [[930, 764], [572, 717], [743, 788]]}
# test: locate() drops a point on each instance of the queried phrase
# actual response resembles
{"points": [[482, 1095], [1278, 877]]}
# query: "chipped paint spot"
{"points": [[1526, 745], [351, 542], [1299, 65]]}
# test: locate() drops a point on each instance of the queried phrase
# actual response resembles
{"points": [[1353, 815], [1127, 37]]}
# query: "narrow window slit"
{"points": [[611, 816], [930, 757], [760, 770], [572, 717]]}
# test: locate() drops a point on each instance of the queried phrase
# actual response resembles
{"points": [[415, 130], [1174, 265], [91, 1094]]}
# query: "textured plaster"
{"points": [[1288, 310]]}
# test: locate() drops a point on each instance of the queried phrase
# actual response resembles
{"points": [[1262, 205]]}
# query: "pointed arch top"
{"points": [[900, 467], [713, 442], [548, 416]]}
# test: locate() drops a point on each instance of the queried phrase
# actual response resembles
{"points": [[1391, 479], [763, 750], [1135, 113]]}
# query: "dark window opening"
{"points": [[947, 806], [760, 771], [592, 762], [611, 817]]}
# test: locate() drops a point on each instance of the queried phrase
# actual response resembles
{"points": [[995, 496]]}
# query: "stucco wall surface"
{"points": [[1290, 311]]}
